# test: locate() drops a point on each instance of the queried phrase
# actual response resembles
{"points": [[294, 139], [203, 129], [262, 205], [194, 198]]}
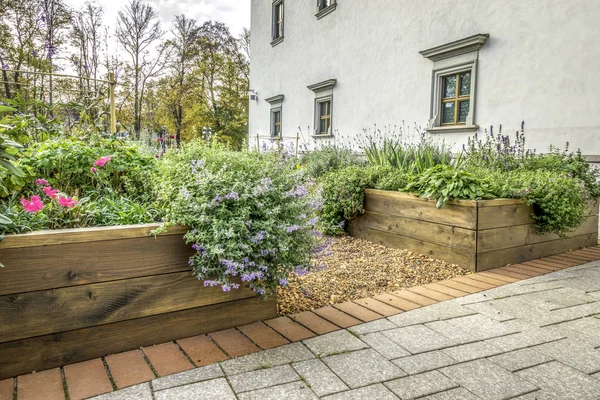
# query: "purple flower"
{"points": [[211, 283], [301, 271], [313, 221], [232, 196], [283, 282], [217, 199], [259, 237], [292, 228], [197, 247], [5, 66]]}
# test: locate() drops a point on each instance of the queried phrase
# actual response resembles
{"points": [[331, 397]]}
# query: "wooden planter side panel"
{"points": [[50, 351], [46, 267]]}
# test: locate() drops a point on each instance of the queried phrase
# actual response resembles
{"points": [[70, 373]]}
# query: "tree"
{"points": [[137, 30], [87, 25]]}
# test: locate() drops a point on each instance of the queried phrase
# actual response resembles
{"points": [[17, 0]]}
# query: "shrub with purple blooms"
{"points": [[251, 215]]}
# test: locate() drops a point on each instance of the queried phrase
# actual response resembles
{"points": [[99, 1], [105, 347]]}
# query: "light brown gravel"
{"points": [[357, 268]]}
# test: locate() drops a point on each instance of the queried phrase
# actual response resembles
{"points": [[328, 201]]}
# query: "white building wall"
{"points": [[541, 64]]}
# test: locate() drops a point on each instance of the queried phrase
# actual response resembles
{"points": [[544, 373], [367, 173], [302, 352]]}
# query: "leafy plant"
{"points": [[319, 162]]}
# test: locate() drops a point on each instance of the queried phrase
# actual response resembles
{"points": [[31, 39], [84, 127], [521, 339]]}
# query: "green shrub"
{"points": [[321, 161], [443, 183], [251, 216]]}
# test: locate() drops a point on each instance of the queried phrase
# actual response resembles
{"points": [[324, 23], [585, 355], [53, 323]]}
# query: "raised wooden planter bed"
{"points": [[478, 235], [77, 294]]}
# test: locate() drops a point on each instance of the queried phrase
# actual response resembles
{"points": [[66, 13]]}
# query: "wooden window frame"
{"points": [[457, 99], [327, 117], [277, 22], [276, 131]]}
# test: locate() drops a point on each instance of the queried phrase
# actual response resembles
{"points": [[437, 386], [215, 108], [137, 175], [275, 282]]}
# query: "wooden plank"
{"points": [[514, 255], [519, 235], [465, 259], [503, 216], [49, 351], [443, 235], [83, 235], [462, 214], [48, 267], [44, 312], [499, 202]]}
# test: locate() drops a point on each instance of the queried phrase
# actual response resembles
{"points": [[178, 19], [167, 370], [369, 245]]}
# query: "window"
{"points": [[276, 122], [277, 33], [456, 98], [323, 108], [324, 7], [453, 86], [324, 113]]}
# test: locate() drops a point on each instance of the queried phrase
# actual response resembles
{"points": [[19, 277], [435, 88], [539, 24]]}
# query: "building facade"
{"points": [[327, 70]]}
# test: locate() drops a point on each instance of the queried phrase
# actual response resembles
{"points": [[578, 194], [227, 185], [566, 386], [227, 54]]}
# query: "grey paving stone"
{"points": [[562, 297], [267, 358], [137, 392], [424, 362], [584, 329], [453, 394], [419, 339], [596, 375], [471, 351], [289, 391], [362, 368], [412, 387], [448, 330], [373, 392], [524, 339], [479, 327], [183, 378], [263, 378], [585, 283], [321, 379], [537, 395], [384, 346], [486, 309], [554, 276], [562, 381], [434, 312], [520, 359], [373, 326], [488, 380], [333, 343], [216, 389], [575, 354]]}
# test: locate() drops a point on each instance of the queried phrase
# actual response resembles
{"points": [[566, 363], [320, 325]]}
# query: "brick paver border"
{"points": [[138, 366]]}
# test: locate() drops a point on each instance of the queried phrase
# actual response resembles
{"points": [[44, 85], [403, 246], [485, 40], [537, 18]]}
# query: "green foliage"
{"points": [[12, 178], [250, 214], [321, 161], [443, 183]]}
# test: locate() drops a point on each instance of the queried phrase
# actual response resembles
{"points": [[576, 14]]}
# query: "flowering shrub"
{"points": [[251, 215]]}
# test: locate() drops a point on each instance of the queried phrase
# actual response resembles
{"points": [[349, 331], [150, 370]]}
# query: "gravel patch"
{"points": [[357, 268]]}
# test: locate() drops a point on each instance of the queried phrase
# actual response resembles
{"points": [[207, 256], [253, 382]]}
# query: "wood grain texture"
{"points": [[513, 255], [456, 256], [44, 312], [48, 267], [49, 351], [519, 235], [82, 235], [462, 214], [504, 215], [444, 235]]}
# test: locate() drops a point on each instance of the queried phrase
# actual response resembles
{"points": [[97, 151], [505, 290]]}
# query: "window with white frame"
{"points": [[324, 7], [275, 120], [323, 115], [453, 88], [277, 22]]}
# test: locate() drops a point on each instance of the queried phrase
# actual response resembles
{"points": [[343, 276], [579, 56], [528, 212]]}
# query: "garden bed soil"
{"points": [[357, 268], [76, 294]]}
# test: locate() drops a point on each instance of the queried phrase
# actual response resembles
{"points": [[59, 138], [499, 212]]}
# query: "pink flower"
{"points": [[67, 202], [156, 156], [33, 205], [93, 169], [160, 139], [50, 192], [102, 160], [172, 137], [41, 182], [164, 152]]}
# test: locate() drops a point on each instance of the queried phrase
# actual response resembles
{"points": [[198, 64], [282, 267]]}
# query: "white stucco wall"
{"points": [[540, 64]]}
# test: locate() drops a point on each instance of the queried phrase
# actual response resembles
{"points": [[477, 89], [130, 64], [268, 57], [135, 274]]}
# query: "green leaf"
{"points": [[7, 109], [12, 168], [4, 220]]}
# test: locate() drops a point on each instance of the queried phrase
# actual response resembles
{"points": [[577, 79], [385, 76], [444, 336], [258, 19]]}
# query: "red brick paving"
{"points": [[293, 331], [6, 389], [358, 312], [432, 294], [337, 317], [87, 379], [414, 297], [202, 350], [315, 323], [129, 368], [44, 385], [262, 335], [167, 359], [233, 342], [378, 306]]}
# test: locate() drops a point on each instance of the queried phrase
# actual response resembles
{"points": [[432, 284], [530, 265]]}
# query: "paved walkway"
{"points": [[532, 339]]}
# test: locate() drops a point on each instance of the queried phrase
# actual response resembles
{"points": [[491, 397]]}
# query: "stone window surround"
{"points": [[323, 92], [276, 105], [279, 39], [451, 58], [327, 10]]}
